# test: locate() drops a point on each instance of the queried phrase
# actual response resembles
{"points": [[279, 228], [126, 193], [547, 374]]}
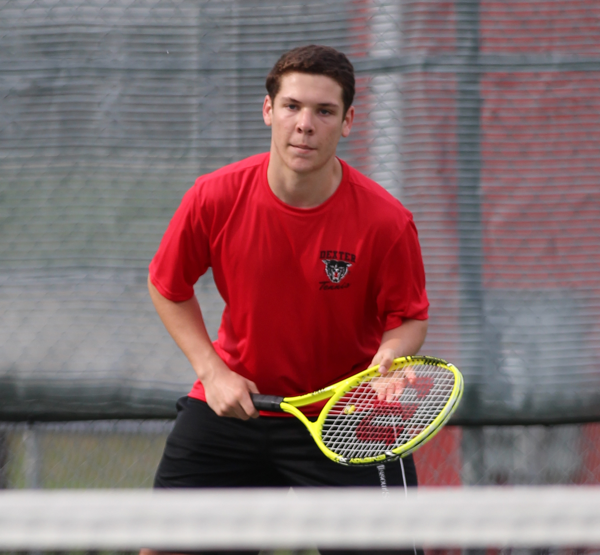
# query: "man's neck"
{"points": [[304, 190]]}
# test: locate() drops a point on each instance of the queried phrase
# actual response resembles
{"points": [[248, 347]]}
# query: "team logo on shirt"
{"points": [[336, 270], [337, 264]]}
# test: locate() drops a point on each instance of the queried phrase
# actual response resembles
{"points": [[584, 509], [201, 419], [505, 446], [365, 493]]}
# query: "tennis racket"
{"points": [[370, 418]]}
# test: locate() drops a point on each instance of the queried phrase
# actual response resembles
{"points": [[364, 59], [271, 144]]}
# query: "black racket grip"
{"points": [[267, 402]]}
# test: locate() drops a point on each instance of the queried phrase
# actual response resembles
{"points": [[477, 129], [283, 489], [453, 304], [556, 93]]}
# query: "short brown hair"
{"points": [[316, 60]]}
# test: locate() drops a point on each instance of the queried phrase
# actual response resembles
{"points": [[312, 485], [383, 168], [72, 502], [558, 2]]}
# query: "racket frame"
{"points": [[336, 391]]}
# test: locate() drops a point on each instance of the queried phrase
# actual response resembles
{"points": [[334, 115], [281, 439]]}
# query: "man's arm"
{"points": [[227, 393], [404, 340]]}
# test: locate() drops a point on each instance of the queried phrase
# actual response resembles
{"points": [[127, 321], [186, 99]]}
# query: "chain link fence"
{"points": [[125, 454], [481, 116]]}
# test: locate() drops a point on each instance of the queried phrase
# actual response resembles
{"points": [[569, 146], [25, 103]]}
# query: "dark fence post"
{"points": [[468, 102], [4, 454]]}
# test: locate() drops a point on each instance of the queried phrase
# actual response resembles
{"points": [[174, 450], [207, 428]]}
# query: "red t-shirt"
{"points": [[308, 292]]}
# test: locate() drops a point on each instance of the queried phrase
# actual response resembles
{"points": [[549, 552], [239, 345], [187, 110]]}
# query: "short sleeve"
{"points": [[184, 254], [401, 294]]}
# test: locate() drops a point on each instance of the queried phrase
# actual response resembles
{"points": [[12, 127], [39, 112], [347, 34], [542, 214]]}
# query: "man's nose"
{"points": [[305, 123]]}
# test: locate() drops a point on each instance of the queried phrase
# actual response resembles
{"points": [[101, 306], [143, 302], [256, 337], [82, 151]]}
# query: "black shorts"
{"points": [[208, 451]]}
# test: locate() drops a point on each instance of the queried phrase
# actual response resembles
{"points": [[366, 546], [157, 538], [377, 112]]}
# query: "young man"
{"points": [[321, 273]]}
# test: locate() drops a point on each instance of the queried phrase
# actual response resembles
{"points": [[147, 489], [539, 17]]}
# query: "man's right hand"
{"points": [[228, 393]]}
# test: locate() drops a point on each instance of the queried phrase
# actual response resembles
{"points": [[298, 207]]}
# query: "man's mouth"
{"points": [[303, 147]]}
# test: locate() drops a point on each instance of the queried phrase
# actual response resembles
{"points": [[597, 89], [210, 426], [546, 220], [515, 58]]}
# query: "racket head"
{"points": [[358, 427]]}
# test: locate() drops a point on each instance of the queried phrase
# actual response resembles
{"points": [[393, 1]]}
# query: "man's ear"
{"points": [[347, 123], [267, 111]]}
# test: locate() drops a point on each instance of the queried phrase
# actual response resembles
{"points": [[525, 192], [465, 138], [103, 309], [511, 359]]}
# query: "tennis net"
{"points": [[435, 518]]}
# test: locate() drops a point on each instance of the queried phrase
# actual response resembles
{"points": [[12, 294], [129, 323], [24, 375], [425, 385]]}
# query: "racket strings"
{"points": [[361, 425]]}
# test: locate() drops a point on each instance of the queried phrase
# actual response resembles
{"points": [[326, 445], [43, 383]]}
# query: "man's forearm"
{"points": [[185, 324], [227, 393], [406, 339]]}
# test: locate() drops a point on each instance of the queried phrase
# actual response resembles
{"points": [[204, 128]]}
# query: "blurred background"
{"points": [[481, 116]]}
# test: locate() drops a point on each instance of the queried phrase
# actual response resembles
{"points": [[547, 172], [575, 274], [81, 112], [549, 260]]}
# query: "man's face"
{"points": [[307, 120]]}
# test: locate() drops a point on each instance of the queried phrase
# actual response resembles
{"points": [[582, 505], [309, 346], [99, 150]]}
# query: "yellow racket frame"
{"points": [[336, 391]]}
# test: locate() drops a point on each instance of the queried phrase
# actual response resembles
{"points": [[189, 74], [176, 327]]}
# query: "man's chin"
{"points": [[303, 165]]}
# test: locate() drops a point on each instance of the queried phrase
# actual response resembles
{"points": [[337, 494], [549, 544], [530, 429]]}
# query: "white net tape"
{"points": [[274, 519]]}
